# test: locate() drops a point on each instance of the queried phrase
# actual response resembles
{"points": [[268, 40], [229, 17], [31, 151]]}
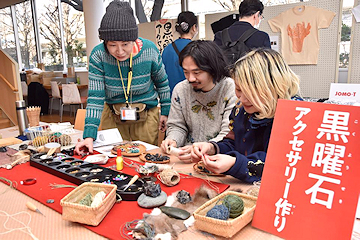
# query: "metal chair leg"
{"points": [[60, 103], [61, 111]]}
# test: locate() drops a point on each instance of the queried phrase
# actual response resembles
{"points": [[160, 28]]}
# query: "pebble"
{"points": [[151, 202]]}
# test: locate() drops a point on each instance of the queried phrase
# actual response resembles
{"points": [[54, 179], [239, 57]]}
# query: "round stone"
{"points": [[151, 202]]}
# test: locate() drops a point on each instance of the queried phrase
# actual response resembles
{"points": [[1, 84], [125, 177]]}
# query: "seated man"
{"points": [[200, 105]]}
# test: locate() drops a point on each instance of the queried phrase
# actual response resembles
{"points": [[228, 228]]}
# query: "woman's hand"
{"points": [[218, 163], [201, 148], [162, 123], [167, 143], [87, 143]]}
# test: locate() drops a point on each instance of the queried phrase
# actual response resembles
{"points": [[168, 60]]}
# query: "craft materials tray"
{"points": [[78, 171], [75, 212], [229, 227]]}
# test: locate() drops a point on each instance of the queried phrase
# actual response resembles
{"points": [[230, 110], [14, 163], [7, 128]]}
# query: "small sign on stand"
{"points": [[345, 92], [310, 184]]}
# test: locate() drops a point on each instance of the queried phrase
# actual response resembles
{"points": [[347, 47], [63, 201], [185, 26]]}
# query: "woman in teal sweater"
{"points": [[125, 73]]}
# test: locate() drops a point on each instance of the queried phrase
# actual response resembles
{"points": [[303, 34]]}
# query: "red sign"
{"points": [[310, 184]]}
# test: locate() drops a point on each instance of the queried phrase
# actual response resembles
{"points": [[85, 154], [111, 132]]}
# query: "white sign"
{"points": [[107, 137], [345, 92], [274, 42]]}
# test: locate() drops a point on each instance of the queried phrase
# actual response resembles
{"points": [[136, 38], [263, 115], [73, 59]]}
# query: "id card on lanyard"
{"points": [[127, 113]]}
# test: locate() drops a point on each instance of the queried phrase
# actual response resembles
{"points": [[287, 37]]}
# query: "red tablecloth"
{"points": [[121, 213]]}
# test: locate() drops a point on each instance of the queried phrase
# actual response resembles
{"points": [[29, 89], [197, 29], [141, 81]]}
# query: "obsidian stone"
{"points": [[183, 197], [23, 147], [151, 189]]}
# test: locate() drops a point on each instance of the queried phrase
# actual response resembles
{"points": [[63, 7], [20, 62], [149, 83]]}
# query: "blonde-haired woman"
{"points": [[261, 78]]}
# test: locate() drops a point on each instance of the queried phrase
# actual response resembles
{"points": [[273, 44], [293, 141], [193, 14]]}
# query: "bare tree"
{"points": [[50, 30], [7, 33], [25, 32], [73, 25]]}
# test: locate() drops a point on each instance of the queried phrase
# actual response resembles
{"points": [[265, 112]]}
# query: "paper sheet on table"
{"points": [[107, 137], [107, 149]]}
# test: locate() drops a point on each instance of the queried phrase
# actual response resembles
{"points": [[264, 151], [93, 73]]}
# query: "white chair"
{"points": [[71, 96], [55, 92]]}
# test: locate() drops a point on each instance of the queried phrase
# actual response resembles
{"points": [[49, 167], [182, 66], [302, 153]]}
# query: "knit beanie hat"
{"points": [[118, 23]]}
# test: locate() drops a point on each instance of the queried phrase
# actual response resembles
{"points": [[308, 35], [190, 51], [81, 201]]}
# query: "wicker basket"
{"points": [[221, 227], [75, 212]]}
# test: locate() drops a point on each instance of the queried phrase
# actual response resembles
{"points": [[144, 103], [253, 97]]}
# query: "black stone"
{"points": [[151, 189], [183, 197]]}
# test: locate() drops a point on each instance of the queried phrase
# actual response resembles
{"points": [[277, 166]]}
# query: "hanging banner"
{"points": [[164, 30], [310, 184]]}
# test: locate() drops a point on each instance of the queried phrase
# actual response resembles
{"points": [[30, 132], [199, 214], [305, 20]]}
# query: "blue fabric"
{"points": [[171, 61], [248, 141], [257, 40], [22, 137]]}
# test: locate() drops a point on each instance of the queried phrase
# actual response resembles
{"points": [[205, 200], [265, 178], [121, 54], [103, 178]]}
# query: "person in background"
{"points": [[250, 16], [187, 27], [261, 78], [126, 79], [200, 106]]}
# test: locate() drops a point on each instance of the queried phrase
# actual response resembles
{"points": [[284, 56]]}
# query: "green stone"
{"points": [[175, 212]]}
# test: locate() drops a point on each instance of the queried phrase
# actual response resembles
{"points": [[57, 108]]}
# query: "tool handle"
{"points": [[133, 179], [31, 206], [51, 151]]}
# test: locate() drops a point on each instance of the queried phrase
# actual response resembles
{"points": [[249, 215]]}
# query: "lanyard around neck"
{"points": [[126, 93]]}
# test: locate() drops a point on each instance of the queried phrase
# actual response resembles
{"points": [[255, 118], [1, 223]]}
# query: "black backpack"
{"points": [[233, 50]]}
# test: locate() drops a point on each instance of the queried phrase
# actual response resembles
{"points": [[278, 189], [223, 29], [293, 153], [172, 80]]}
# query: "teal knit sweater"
{"points": [[149, 83]]}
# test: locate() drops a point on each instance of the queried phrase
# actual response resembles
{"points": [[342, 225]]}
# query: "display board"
{"points": [[315, 79], [354, 68]]}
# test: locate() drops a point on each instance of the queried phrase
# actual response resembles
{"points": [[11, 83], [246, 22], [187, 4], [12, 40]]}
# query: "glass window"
{"points": [[74, 36], [26, 34], [345, 34], [7, 38], [170, 8], [49, 31]]}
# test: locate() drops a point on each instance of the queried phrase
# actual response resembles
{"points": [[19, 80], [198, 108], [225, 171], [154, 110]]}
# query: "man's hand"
{"points": [[165, 144], [86, 144], [162, 123]]}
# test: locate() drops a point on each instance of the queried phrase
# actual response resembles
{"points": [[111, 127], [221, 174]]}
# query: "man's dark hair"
{"points": [[250, 7], [208, 57]]}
